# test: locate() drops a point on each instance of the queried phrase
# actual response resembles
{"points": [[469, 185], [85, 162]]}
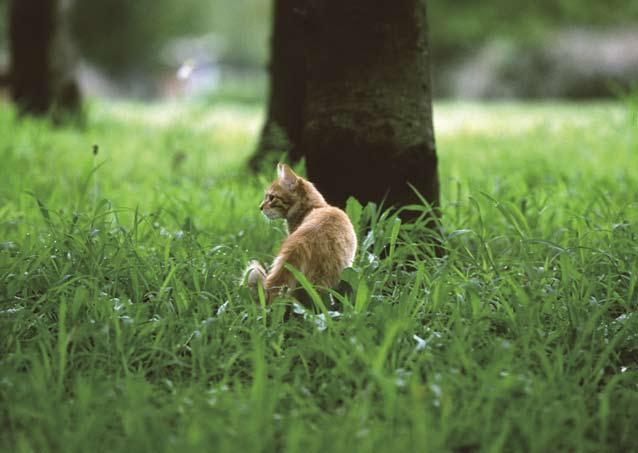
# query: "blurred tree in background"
{"points": [[42, 65], [4, 37]]}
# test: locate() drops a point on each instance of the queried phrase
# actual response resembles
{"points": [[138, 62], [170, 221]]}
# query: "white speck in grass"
{"points": [[164, 232], [320, 322], [126, 320], [155, 318], [179, 235], [117, 305], [298, 309], [622, 318], [94, 232], [12, 310], [461, 232], [222, 308], [617, 226], [505, 344], [208, 321], [372, 260], [421, 344], [623, 369], [320, 319]]}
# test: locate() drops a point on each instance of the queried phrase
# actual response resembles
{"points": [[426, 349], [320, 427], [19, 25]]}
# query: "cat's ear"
{"points": [[287, 178]]}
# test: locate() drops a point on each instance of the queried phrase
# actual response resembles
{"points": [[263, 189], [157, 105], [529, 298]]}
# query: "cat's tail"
{"points": [[254, 275]]}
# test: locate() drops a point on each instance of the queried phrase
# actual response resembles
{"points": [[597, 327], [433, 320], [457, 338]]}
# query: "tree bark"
{"points": [[368, 129], [351, 89], [42, 78], [282, 129]]}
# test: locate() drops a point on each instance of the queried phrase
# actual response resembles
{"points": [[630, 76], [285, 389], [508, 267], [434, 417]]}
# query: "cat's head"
{"points": [[290, 196], [283, 194]]}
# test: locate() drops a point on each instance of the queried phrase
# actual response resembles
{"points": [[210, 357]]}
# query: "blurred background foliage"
{"points": [[144, 27], [138, 43], [461, 25]]}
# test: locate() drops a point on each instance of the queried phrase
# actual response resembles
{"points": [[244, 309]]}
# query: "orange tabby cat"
{"points": [[321, 241]]}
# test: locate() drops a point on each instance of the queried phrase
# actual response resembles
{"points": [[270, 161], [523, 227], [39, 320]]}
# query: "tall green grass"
{"points": [[123, 328]]}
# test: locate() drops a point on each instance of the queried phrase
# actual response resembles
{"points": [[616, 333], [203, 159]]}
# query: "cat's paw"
{"points": [[254, 275]]}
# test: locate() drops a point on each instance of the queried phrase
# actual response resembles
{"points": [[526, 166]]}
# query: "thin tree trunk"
{"points": [[284, 122], [42, 66], [368, 129]]}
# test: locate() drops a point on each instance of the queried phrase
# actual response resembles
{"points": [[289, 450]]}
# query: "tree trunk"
{"points": [[351, 91], [42, 78], [368, 108], [282, 129]]}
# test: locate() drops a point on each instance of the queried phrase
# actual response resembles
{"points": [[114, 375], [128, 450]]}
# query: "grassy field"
{"points": [[123, 329]]}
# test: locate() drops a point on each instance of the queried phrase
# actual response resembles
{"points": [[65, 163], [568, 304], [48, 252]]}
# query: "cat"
{"points": [[321, 240]]}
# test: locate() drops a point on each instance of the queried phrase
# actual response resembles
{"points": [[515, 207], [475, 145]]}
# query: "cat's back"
{"points": [[328, 221], [325, 234]]}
